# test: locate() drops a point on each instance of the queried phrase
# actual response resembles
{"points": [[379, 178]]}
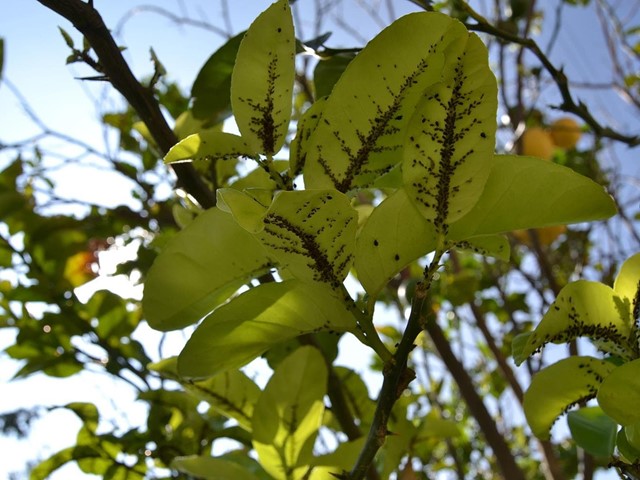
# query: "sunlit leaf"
{"points": [[585, 308], [362, 128], [450, 139], [289, 413], [246, 210], [195, 273], [242, 329], [212, 86], [211, 468], [262, 79], [312, 234], [300, 144], [211, 146], [619, 394], [394, 235], [558, 387], [526, 192], [628, 281]]}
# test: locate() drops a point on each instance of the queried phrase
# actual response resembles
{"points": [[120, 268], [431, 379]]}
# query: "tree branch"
{"points": [[496, 441], [88, 21], [558, 76]]}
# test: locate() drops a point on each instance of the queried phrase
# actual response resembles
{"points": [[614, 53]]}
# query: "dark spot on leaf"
{"points": [[376, 243], [397, 257]]}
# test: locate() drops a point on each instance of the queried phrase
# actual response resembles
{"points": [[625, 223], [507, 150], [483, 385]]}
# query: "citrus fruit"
{"points": [[565, 132], [536, 142]]}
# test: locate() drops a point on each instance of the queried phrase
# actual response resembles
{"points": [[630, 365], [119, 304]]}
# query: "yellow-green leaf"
{"points": [[361, 132], [585, 308], [195, 273], [262, 79], [312, 234], [450, 139], [212, 145], [619, 394], [242, 329], [289, 413], [527, 192], [394, 235], [560, 386]]}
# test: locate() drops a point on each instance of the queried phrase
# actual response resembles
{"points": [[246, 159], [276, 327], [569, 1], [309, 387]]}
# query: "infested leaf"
{"points": [[195, 273], [450, 138], [312, 234], [300, 144], [489, 245], [262, 79], [361, 132], [585, 308], [244, 328], [560, 386]]}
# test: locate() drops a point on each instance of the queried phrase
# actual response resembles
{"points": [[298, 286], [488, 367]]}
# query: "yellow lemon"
{"points": [[565, 132], [536, 142]]}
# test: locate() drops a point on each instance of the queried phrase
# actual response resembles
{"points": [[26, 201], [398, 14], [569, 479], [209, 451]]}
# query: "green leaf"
{"points": [[619, 394], [585, 308], [632, 434], [300, 144], [394, 235], [361, 132], [244, 328], [211, 468], [527, 192], [211, 146], [246, 210], [312, 234], [627, 282], [289, 413], [195, 273], [211, 90], [451, 137], [560, 386], [630, 453], [67, 38], [518, 346], [328, 72], [593, 431], [87, 412], [262, 79]]}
